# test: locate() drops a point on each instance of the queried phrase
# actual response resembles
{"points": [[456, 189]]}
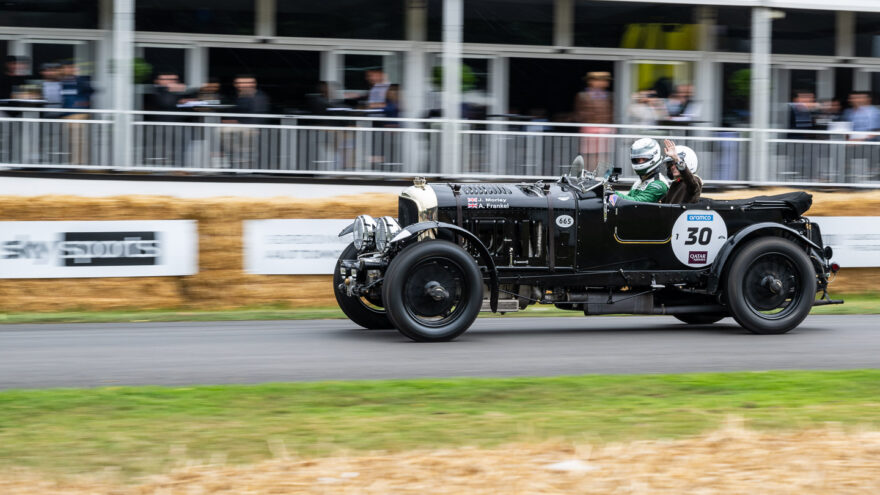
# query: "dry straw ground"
{"points": [[221, 282], [732, 460]]}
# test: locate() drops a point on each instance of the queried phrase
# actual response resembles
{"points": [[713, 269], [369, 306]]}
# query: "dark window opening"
{"points": [[195, 16], [521, 22], [804, 32], [363, 19], [75, 14]]}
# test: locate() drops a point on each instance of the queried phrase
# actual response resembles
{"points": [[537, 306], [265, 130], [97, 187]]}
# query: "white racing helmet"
{"points": [[688, 157], [646, 157]]}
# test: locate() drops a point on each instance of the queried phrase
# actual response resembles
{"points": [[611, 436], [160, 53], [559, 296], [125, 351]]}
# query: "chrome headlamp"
{"points": [[363, 232], [386, 229]]}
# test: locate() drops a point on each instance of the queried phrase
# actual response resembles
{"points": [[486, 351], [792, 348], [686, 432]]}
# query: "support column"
{"points": [[563, 23], [196, 66], [861, 80], [623, 88], [123, 53], [453, 14], [330, 63], [104, 56], [414, 63], [705, 83], [825, 84], [845, 34], [265, 18], [760, 92]]}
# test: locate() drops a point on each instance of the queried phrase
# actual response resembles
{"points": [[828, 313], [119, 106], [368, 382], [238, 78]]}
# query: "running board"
{"points": [[504, 306]]}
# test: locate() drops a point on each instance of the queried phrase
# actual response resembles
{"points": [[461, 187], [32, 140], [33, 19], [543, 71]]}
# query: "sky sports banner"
{"points": [[308, 247], [77, 249], [301, 246]]}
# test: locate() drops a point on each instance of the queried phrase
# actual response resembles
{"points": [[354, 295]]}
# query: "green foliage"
{"points": [[468, 79], [740, 83], [142, 71]]}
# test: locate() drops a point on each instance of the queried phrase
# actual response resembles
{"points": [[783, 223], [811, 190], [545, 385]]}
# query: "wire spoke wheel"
{"points": [[434, 292], [771, 286]]}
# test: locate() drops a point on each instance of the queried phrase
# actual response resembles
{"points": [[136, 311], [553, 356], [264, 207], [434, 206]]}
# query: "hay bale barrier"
{"points": [[221, 282]]}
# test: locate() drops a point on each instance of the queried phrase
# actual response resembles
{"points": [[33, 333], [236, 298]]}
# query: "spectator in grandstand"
{"points": [[167, 92], [646, 109], [392, 102], [51, 84], [210, 92], [76, 90], [801, 113], [76, 93], [829, 114], [249, 99], [681, 106], [376, 97], [593, 106], [13, 75], [864, 117]]}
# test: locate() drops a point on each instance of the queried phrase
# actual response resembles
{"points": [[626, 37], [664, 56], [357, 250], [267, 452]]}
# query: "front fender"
{"points": [[735, 240], [417, 228]]}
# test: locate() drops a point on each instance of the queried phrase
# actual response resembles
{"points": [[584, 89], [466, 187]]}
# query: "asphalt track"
{"points": [[88, 355]]}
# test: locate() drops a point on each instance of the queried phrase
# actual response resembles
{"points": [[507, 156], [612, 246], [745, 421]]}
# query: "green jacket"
{"points": [[647, 192]]}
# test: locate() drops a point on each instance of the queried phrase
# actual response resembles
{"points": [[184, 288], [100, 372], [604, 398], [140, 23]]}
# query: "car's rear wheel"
{"points": [[366, 311], [699, 318], [770, 286], [433, 291]]}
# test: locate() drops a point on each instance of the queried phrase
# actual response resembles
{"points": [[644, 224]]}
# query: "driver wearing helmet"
{"points": [[651, 184], [686, 186]]}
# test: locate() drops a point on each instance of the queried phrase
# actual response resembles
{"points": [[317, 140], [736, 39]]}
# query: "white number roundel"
{"points": [[697, 236], [564, 221]]}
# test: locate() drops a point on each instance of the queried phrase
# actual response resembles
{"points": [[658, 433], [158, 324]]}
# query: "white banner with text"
{"points": [[79, 249], [293, 247]]}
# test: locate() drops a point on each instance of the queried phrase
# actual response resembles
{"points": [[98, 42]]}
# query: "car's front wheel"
{"points": [[433, 291], [365, 311], [770, 286]]}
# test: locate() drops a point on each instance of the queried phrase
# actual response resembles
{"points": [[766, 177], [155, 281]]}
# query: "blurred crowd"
{"points": [[807, 114], [169, 94], [58, 85]]}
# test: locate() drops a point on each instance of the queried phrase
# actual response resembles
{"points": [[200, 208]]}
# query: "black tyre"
{"points": [[365, 311], [770, 286], [433, 291], [699, 318]]}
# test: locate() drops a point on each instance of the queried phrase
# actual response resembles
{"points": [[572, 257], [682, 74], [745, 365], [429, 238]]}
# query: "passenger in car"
{"points": [[646, 158], [681, 167]]}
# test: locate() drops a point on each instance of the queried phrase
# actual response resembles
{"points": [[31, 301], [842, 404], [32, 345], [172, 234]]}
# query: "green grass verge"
{"points": [[855, 304], [147, 429]]}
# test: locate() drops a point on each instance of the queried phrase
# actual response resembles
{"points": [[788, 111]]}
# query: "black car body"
{"points": [[459, 248]]}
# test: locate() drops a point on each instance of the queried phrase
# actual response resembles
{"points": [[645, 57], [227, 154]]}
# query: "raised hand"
{"points": [[669, 149]]}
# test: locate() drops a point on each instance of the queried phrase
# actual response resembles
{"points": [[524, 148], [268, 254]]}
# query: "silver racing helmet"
{"points": [[646, 157]]}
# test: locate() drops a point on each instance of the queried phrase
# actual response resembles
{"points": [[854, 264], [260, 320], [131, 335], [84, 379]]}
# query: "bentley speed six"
{"points": [[458, 248]]}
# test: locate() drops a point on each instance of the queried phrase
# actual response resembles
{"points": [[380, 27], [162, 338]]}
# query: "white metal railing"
{"points": [[247, 143]]}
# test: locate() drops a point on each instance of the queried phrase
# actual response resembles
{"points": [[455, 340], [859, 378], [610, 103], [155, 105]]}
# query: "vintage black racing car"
{"points": [[456, 249]]}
